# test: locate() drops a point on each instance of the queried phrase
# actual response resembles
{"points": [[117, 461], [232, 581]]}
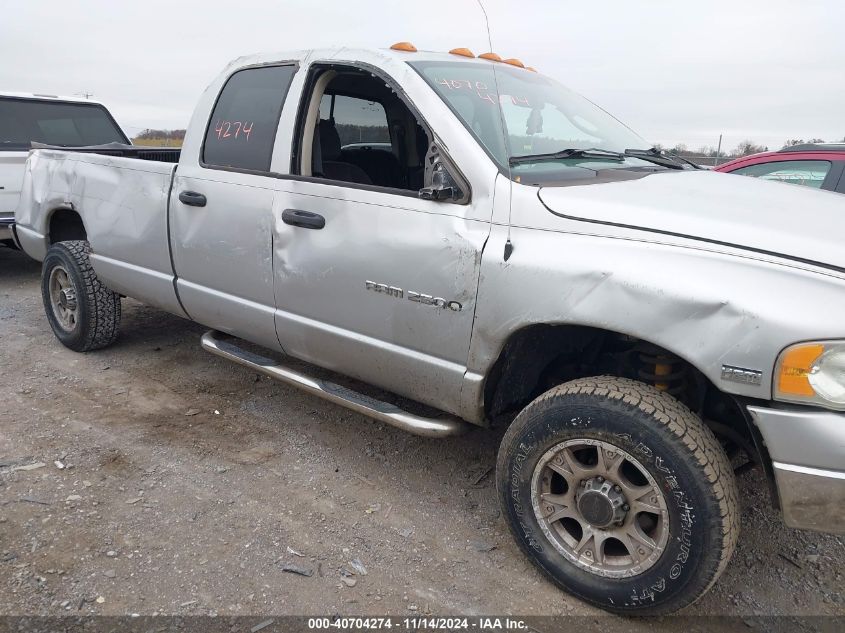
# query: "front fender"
{"points": [[708, 306]]}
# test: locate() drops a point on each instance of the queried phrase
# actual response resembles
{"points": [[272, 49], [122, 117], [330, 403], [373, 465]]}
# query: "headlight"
{"points": [[812, 373]]}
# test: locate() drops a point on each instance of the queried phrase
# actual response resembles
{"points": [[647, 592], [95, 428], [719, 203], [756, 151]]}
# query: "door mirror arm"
{"points": [[440, 181], [438, 193]]}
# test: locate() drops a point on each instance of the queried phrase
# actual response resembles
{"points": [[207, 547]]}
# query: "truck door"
{"points": [[372, 280], [221, 207]]}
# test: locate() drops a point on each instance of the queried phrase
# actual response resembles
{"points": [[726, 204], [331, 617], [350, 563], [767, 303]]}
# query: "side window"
{"points": [[356, 129], [798, 172], [242, 128]]}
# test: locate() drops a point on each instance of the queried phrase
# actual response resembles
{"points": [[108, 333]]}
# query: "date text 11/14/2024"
{"points": [[422, 623]]}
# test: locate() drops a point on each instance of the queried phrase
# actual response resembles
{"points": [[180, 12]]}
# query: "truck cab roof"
{"points": [[382, 56]]}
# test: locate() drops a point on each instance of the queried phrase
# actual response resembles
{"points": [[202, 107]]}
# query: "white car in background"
{"points": [[51, 120]]}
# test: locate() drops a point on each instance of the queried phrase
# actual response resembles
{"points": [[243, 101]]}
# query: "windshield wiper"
{"points": [[593, 152], [656, 156]]}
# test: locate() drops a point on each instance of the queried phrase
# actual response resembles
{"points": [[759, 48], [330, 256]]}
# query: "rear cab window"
{"points": [[24, 121], [242, 129]]}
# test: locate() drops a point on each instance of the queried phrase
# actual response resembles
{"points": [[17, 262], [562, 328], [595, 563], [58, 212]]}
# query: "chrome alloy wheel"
{"points": [[600, 508], [63, 299]]}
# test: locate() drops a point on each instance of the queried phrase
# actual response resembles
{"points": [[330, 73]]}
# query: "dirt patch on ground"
{"points": [[174, 482]]}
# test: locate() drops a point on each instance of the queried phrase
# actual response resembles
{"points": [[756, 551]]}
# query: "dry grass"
{"points": [[157, 142]]}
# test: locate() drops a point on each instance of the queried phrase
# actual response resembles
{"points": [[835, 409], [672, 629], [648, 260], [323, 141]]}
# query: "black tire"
{"points": [[672, 445], [97, 309]]}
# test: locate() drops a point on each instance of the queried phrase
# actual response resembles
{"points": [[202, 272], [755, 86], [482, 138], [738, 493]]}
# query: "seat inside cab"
{"points": [[362, 133]]}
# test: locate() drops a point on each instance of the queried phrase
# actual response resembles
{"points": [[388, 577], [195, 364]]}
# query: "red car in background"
{"points": [[821, 166]]}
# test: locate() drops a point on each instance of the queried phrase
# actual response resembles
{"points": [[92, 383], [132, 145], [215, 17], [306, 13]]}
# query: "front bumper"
{"points": [[807, 448]]}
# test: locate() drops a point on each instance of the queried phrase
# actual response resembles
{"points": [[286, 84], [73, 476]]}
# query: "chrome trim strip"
{"points": [[219, 344], [804, 470]]}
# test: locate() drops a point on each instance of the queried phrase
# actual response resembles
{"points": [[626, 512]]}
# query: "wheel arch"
{"points": [[64, 223], [540, 356]]}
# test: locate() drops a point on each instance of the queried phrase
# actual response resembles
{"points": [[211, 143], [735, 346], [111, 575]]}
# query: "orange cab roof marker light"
{"points": [[463, 52], [491, 56], [404, 46], [513, 61]]}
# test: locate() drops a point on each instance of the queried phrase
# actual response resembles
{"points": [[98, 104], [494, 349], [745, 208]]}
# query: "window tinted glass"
{"points": [[242, 128], [55, 123], [356, 120], [797, 172]]}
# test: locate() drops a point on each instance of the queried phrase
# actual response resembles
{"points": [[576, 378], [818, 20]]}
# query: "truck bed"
{"points": [[158, 154], [123, 203]]}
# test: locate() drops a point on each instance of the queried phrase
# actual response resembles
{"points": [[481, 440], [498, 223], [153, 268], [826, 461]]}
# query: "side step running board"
{"points": [[222, 345]]}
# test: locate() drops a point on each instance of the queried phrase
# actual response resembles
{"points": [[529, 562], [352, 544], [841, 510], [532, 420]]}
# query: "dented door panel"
{"points": [[385, 292]]}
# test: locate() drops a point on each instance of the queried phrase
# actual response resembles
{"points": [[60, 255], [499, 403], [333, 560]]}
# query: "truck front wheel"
{"points": [[620, 494], [84, 314]]}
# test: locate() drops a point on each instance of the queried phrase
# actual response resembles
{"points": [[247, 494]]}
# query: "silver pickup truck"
{"points": [[470, 235]]}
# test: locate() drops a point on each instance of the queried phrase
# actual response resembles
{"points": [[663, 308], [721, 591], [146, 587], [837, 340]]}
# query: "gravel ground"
{"points": [[154, 478]]}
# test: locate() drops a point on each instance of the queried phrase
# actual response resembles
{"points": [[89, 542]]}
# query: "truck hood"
{"points": [[786, 220]]}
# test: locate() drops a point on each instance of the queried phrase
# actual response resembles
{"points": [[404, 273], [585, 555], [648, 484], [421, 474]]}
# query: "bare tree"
{"points": [[748, 147]]}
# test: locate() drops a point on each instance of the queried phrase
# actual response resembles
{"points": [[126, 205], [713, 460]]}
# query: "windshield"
{"points": [[55, 123], [540, 115]]}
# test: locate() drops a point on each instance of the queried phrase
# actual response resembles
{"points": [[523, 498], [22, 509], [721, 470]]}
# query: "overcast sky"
{"points": [[676, 72]]}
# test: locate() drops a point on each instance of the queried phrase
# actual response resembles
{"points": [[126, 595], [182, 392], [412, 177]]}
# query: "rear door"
{"points": [[222, 208]]}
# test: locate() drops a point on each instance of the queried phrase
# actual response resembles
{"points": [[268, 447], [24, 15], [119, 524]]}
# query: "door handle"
{"points": [[305, 219], [192, 198]]}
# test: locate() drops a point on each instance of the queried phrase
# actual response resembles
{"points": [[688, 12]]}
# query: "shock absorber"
{"points": [[665, 371]]}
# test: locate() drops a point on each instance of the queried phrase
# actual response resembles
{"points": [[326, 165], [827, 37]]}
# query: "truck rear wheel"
{"points": [[620, 494], [84, 314]]}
